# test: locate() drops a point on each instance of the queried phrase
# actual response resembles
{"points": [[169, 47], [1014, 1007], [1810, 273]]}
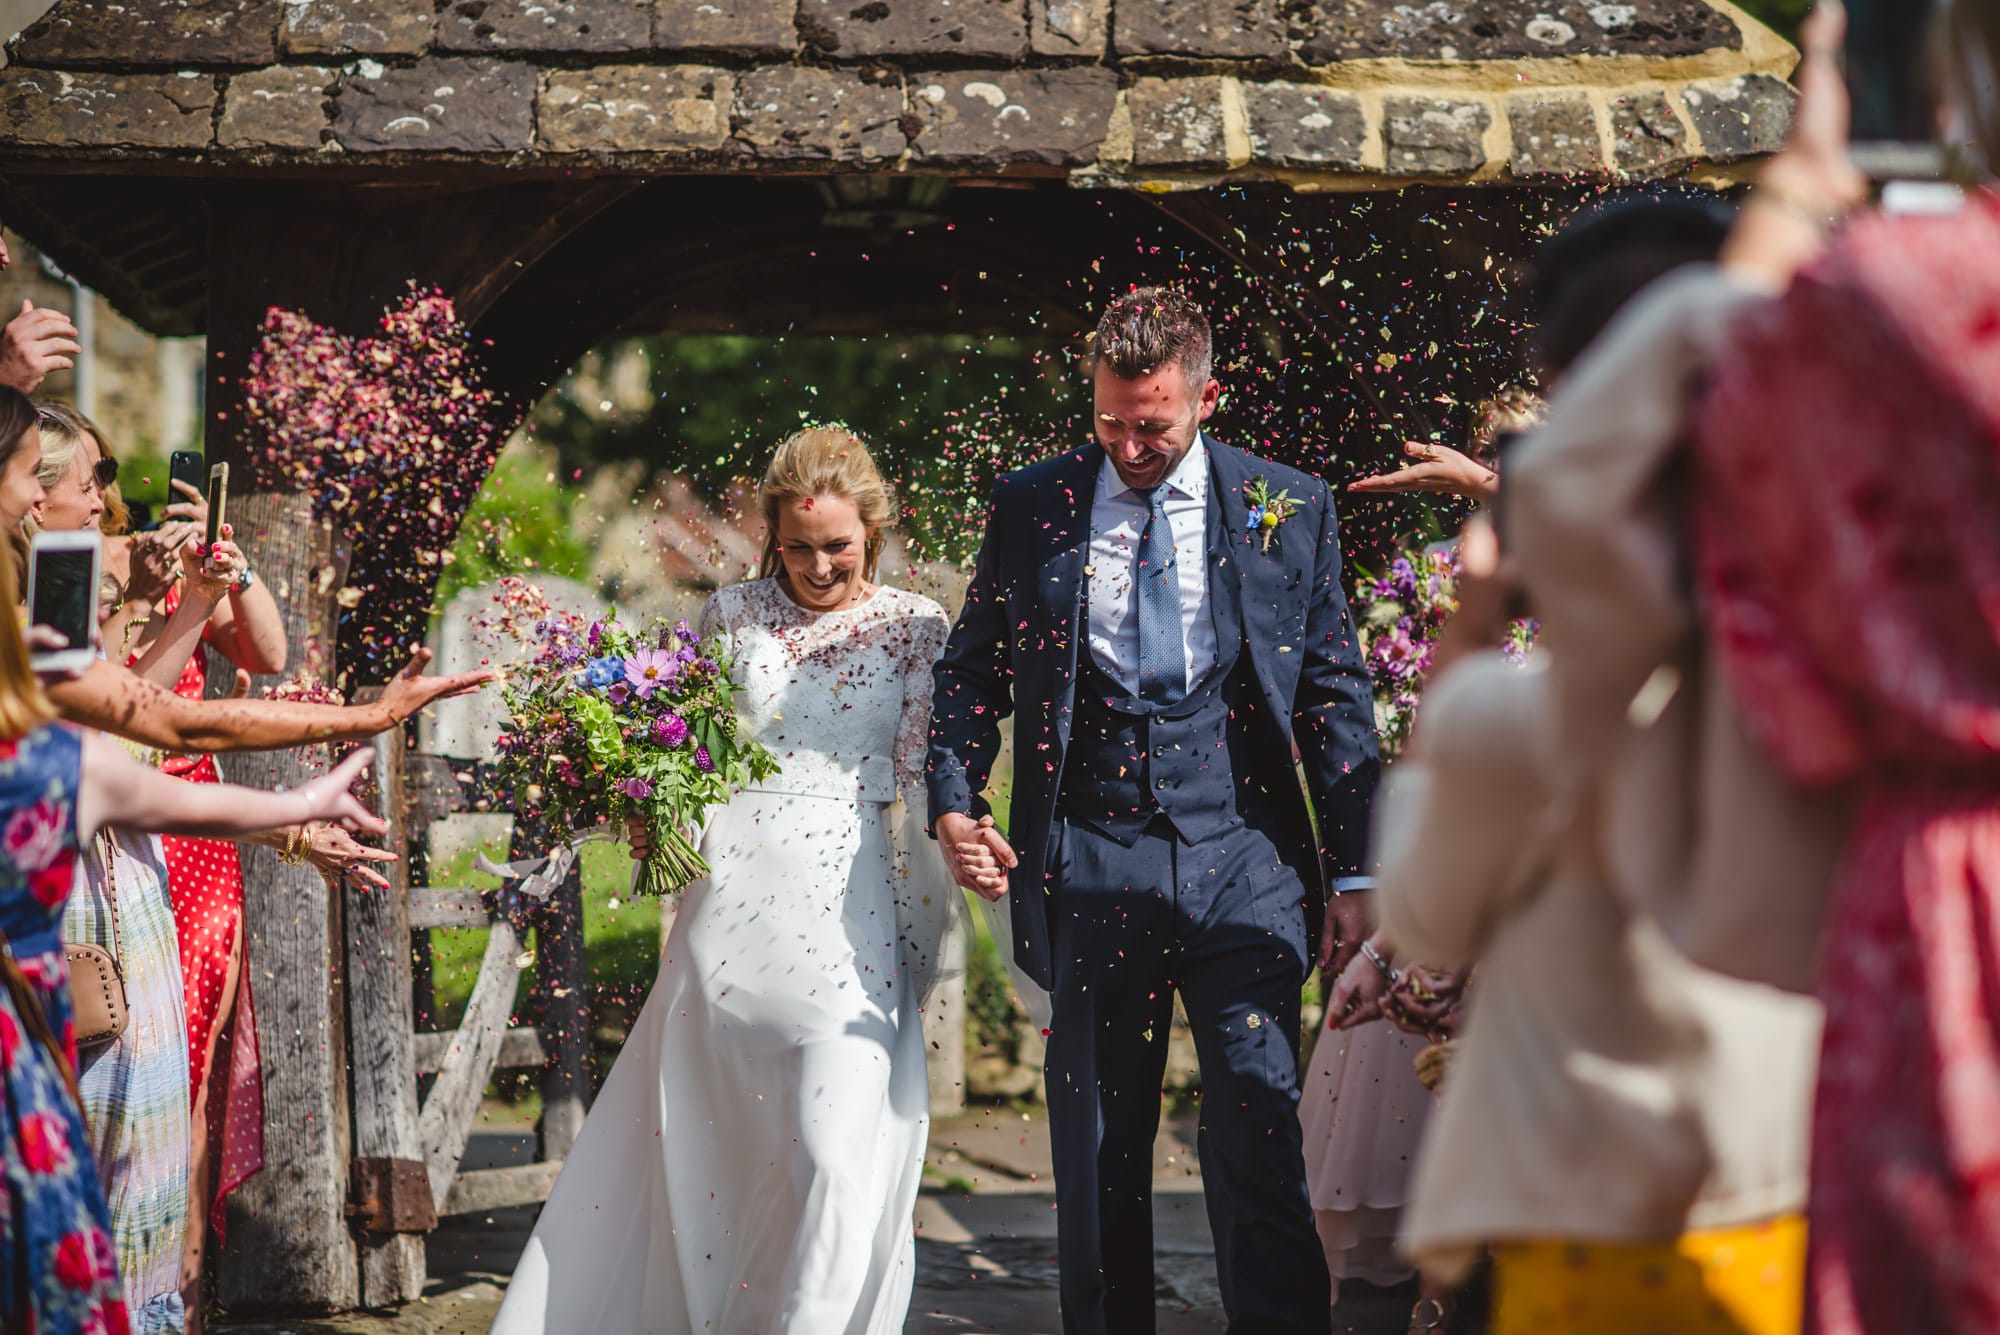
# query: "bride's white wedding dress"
{"points": [[752, 1162]]}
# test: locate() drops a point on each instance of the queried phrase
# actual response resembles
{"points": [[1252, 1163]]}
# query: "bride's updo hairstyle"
{"points": [[825, 461]]}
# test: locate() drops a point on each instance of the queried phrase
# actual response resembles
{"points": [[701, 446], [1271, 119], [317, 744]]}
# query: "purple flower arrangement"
{"points": [[1400, 614], [608, 721]]}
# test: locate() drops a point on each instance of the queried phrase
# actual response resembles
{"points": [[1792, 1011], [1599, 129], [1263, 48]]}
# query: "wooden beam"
{"points": [[448, 1113], [486, 1189], [520, 1049], [562, 1002], [381, 1037], [446, 907]]}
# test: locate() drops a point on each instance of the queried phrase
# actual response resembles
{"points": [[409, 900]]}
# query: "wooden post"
{"points": [[563, 1004], [381, 1034], [289, 1244]]}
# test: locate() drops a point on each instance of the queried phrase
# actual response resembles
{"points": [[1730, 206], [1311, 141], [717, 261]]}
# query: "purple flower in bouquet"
{"points": [[650, 669], [703, 761], [671, 730], [636, 788], [619, 693], [685, 633], [1402, 579]]}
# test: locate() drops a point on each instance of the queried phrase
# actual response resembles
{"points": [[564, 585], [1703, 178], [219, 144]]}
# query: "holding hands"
{"points": [[977, 853]]}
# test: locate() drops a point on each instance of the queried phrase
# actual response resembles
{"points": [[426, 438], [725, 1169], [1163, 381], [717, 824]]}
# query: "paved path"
{"points": [[986, 1246]]}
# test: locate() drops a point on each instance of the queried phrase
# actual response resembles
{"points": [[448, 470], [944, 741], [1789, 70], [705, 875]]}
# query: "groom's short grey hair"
{"points": [[1151, 327]]}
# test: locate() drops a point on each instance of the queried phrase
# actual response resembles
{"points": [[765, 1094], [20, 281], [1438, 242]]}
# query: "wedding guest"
{"points": [[1472, 473], [35, 342], [21, 493], [1848, 560], [241, 621], [59, 789]]}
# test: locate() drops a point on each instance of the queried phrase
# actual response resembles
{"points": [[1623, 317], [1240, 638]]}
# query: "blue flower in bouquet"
{"points": [[670, 731], [600, 673], [650, 669]]}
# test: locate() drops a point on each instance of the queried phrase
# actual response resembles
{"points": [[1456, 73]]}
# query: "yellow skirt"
{"points": [[1740, 1281]]}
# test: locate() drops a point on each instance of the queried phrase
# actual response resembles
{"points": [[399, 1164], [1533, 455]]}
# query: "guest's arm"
{"points": [[118, 790], [113, 700], [1461, 824]]}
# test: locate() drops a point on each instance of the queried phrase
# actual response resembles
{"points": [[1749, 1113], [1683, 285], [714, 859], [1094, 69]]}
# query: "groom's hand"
{"points": [[1346, 928], [977, 852]]}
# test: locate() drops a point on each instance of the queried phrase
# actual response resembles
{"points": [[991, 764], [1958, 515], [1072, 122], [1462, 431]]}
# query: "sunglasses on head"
{"points": [[105, 473]]}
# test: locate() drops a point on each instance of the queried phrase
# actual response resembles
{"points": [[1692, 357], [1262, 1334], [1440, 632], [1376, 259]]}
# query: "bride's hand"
{"points": [[640, 836]]}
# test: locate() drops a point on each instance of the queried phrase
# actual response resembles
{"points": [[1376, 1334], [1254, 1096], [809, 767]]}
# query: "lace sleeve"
{"points": [[927, 630], [715, 621]]}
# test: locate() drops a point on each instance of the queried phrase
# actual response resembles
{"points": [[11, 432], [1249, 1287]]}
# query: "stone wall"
{"points": [[1148, 92]]}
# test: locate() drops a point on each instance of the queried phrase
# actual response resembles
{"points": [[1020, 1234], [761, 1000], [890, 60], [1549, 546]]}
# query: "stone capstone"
{"points": [[1200, 29], [284, 106], [546, 25], [1052, 116], [1741, 117], [1304, 125], [1068, 27], [953, 29], [635, 109], [1340, 30], [104, 110], [1646, 136], [796, 111], [170, 33], [355, 28], [738, 27], [1178, 123], [1433, 136], [445, 105], [1554, 134]]}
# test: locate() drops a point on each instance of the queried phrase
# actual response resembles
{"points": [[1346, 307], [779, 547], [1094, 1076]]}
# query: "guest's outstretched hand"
{"points": [[1439, 469], [329, 797], [336, 852], [410, 691]]}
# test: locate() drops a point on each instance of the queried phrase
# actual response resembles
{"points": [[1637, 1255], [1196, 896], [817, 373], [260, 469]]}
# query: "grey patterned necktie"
{"points": [[1162, 643]]}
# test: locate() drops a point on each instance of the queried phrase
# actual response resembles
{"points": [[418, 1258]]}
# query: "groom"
{"points": [[1164, 630]]}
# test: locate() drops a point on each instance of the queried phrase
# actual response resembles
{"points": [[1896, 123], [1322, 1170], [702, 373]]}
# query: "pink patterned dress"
{"points": [[1848, 538]]}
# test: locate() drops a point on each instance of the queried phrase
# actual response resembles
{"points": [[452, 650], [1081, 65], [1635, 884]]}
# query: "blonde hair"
{"points": [[825, 461], [1512, 408], [23, 707], [63, 430], [62, 421]]}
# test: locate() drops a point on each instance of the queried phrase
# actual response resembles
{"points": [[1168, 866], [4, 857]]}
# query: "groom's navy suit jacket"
{"points": [[1016, 645]]}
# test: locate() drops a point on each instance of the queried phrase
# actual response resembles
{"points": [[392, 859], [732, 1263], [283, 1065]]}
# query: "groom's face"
{"points": [[1146, 423]]}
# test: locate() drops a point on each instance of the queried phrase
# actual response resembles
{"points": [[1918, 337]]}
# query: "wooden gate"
{"points": [[409, 1142]]}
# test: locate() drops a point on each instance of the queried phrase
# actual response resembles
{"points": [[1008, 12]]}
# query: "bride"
{"points": [[752, 1163]]}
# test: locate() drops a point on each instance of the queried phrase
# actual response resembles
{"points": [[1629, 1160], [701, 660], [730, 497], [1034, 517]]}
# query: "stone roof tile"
{"points": [[798, 112], [735, 27], [1434, 136], [1052, 116], [1646, 136], [355, 28], [162, 33], [447, 104], [1304, 125], [99, 109], [934, 29], [1740, 117], [602, 26], [1554, 134], [1509, 30], [1069, 27], [1179, 124], [282, 107], [1200, 29], [635, 109]]}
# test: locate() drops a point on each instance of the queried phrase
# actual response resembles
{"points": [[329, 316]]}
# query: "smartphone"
{"points": [[185, 466], [218, 499], [63, 571], [1891, 68]]}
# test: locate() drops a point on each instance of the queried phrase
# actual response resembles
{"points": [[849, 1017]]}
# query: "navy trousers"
{"points": [[1222, 922]]}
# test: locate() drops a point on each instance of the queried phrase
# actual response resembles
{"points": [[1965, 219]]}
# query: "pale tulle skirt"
{"points": [[1363, 1112], [752, 1163]]}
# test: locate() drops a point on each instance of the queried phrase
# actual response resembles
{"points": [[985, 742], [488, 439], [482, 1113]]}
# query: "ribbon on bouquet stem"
{"points": [[537, 878]]}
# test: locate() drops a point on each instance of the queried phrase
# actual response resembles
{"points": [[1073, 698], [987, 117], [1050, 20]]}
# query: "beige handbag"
{"points": [[96, 983]]}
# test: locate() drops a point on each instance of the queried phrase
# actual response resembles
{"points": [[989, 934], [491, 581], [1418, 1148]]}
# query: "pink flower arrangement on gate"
{"points": [[607, 720]]}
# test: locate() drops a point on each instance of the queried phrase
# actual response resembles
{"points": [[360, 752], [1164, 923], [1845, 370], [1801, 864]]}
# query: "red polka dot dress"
{"points": [[205, 880]]}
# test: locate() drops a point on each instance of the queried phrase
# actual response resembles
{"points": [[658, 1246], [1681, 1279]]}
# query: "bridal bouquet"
{"points": [[1400, 615], [608, 720]]}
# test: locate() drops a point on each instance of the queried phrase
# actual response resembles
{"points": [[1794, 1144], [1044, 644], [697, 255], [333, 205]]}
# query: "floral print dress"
{"points": [[58, 1271]]}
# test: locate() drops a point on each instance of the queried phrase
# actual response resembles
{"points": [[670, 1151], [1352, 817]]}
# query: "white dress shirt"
{"points": [[1117, 518]]}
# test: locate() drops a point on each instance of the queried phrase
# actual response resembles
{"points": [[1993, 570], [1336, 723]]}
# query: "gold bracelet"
{"points": [[298, 847]]}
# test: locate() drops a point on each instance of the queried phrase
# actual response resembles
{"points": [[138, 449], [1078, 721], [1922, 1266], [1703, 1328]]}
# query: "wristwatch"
{"points": [[244, 579]]}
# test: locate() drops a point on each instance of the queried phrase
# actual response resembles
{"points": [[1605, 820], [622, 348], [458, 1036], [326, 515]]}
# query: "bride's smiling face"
{"points": [[824, 546]]}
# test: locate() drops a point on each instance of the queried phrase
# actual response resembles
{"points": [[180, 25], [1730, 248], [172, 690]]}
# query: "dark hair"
{"points": [[17, 414], [1151, 327], [1605, 256]]}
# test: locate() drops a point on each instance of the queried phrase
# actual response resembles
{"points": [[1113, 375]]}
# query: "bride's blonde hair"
{"points": [[825, 461]]}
